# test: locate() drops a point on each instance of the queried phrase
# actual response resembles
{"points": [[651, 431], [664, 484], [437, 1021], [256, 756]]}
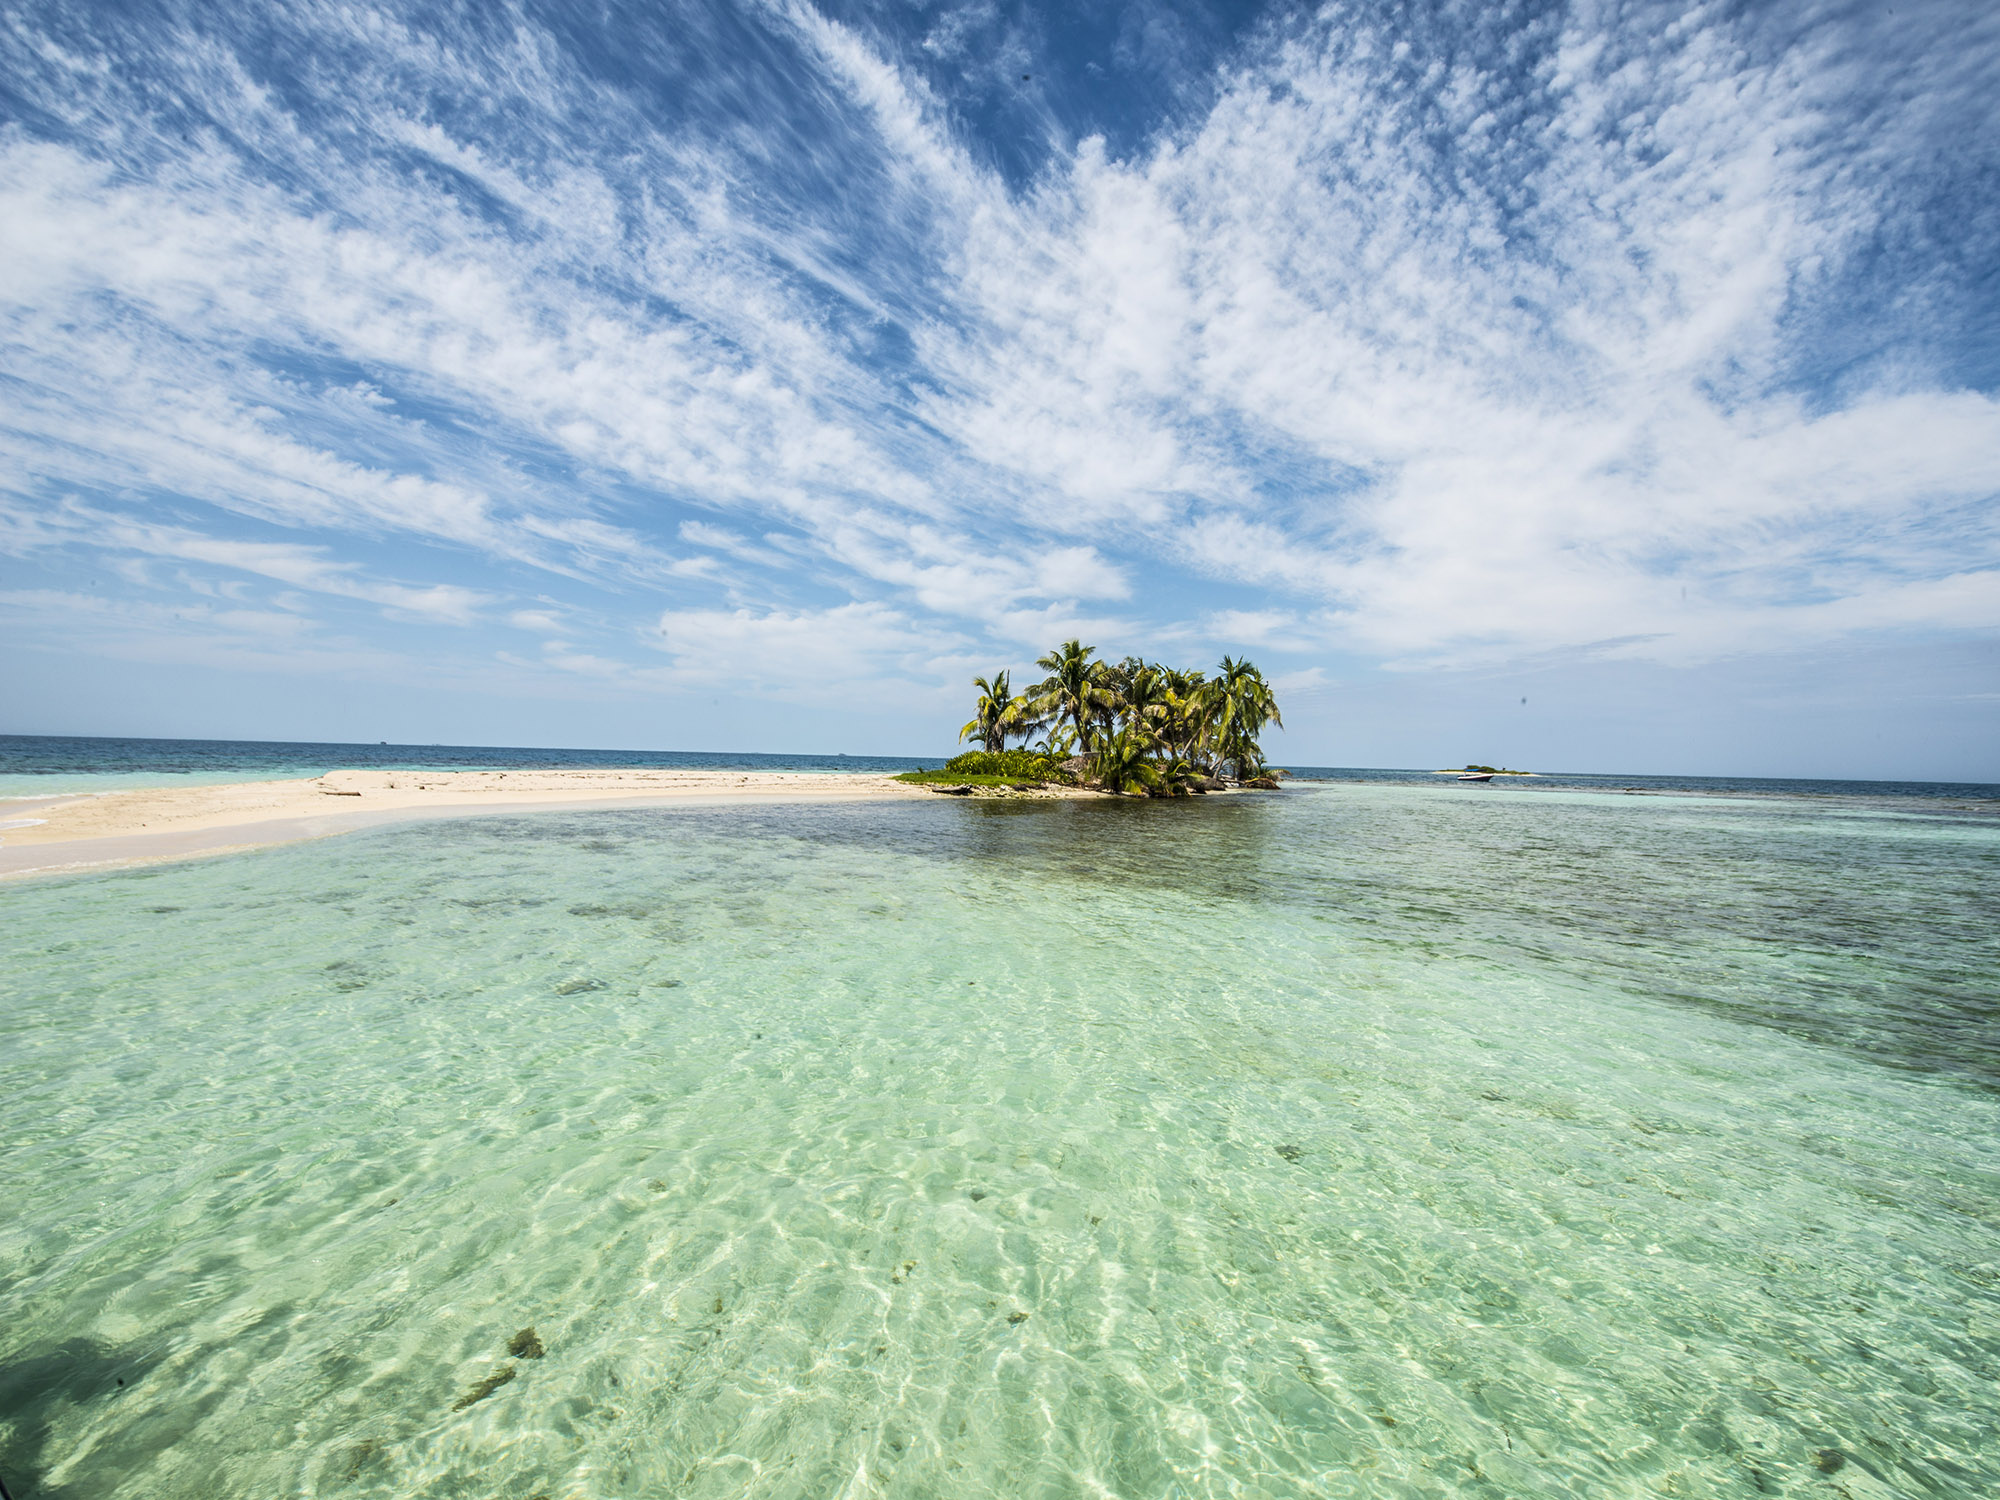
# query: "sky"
{"points": [[1581, 386]]}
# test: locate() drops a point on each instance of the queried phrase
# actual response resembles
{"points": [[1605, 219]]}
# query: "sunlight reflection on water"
{"points": [[1359, 1140]]}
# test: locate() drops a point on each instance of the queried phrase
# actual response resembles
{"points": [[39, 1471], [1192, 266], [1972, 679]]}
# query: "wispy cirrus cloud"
{"points": [[808, 654], [1518, 390], [1423, 335], [300, 566]]}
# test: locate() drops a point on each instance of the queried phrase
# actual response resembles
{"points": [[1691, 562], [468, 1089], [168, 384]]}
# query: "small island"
{"points": [[1128, 728], [1482, 771]]}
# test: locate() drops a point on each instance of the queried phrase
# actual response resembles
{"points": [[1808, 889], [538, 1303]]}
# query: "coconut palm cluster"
{"points": [[1128, 726]]}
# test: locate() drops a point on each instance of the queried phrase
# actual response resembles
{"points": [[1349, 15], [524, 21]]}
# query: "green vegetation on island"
{"points": [[1132, 727], [1484, 770], [964, 770]]}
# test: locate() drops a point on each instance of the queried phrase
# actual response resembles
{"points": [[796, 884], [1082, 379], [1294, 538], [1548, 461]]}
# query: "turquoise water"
{"points": [[1357, 1140]]}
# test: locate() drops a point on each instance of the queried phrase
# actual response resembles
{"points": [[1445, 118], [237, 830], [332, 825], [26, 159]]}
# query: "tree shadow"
{"points": [[37, 1388]]}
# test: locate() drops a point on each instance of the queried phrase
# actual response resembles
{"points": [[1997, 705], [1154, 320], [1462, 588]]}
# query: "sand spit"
{"points": [[149, 824]]}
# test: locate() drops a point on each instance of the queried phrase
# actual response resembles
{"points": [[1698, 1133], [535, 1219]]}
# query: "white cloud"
{"points": [[539, 621], [1540, 430], [810, 654], [1450, 359], [1307, 682], [721, 539], [1282, 629], [303, 567]]}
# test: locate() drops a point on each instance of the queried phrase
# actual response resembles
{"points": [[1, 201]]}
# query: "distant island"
{"points": [[1130, 728], [1482, 770]]}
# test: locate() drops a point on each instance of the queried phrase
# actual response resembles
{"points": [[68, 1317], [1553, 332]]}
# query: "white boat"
{"points": [[1475, 775]]}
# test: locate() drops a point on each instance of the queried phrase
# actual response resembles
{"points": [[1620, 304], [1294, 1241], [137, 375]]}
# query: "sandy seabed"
{"points": [[147, 824]]}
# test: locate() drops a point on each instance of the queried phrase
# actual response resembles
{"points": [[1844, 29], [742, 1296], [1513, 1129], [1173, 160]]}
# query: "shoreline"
{"points": [[86, 831]]}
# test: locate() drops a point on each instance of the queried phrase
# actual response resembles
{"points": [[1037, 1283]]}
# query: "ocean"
{"points": [[1378, 1137], [54, 765]]}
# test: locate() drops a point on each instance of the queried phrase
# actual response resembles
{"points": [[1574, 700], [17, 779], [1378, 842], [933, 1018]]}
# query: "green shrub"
{"points": [[1022, 764], [962, 778]]}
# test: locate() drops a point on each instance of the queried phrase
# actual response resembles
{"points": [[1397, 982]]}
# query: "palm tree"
{"points": [[998, 714], [1057, 741], [1116, 678], [1144, 702], [1243, 705], [1121, 762], [1175, 778], [1189, 705], [1073, 690]]}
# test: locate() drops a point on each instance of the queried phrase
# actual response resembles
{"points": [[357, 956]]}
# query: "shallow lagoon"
{"points": [[1358, 1140]]}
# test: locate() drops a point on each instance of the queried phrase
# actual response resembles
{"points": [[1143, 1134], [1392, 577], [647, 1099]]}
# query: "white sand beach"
{"points": [[145, 825]]}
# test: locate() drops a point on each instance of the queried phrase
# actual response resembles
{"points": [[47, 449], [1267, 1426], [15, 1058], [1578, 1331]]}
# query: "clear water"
{"points": [[1364, 1140]]}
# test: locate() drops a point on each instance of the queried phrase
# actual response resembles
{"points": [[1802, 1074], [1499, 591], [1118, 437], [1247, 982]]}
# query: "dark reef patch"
{"points": [[485, 1388]]}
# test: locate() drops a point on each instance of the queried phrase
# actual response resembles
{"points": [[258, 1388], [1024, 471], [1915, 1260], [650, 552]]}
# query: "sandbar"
{"points": [[148, 824]]}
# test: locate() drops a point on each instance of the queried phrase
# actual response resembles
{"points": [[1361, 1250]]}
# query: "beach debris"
{"points": [[902, 1272], [1290, 1153], [526, 1345], [485, 1388], [1017, 1317], [977, 1195], [953, 791], [1829, 1460]]}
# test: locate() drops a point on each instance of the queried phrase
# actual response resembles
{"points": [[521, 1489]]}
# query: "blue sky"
{"points": [[1591, 386]]}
